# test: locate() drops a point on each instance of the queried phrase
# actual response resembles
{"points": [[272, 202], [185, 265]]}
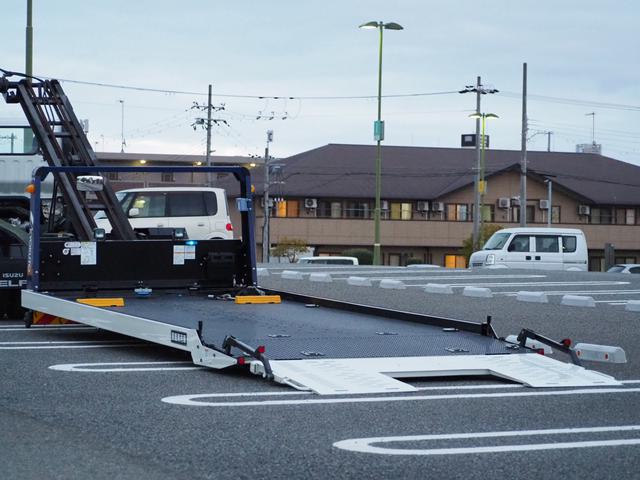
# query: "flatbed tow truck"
{"points": [[202, 296]]}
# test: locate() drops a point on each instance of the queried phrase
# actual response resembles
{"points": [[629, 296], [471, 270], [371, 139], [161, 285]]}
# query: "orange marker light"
{"points": [[31, 188]]}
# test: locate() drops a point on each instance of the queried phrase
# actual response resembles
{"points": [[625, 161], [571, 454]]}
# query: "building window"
{"points": [[358, 210], [531, 214], [457, 212], [596, 264], [112, 175], [625, 259], [336, 210], [401, 211], [455, 261], [601, 216], [288, 208], [488, 213], [167, 177], [625, 216]]}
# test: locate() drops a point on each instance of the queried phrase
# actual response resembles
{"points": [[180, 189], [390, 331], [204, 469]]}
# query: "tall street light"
{"points": [[378, 135], [482, 185]]}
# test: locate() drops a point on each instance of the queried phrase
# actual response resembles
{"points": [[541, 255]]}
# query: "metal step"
{"points": [[378, 375]]}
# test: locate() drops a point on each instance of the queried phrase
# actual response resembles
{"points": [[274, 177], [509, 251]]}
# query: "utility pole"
{"points": [[123, 143], [266, 239], [208, 152], [28, 69], [207, 124], [593, 126], [523, 160], [478, 188]]}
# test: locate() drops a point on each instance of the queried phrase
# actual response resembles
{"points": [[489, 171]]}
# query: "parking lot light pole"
{"points": [[378, 133], [482, 185]]}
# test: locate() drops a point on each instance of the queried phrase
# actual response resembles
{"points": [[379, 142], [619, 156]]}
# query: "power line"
{"points": [[573, 101], [259, 97]]}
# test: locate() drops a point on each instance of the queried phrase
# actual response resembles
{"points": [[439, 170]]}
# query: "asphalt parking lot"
{"points": [[78, 402]]}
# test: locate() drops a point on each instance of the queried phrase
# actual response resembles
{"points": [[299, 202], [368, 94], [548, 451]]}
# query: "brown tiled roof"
{"points": [[424, 173]]}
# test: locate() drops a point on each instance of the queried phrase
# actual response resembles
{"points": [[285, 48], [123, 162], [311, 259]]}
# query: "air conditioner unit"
{"points": [[310, 203], [584, 210], [544, 204], [515, 201], [504, 202], [384, 205], [423, 206], [437, 206]]}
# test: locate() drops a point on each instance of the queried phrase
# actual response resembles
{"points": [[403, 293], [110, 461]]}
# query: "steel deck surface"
{"points": [[291, 330]]}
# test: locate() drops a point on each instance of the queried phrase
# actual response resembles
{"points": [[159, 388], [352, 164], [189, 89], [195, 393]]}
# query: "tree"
{"points": [[290, 248], [364, 256], [488, 229]]}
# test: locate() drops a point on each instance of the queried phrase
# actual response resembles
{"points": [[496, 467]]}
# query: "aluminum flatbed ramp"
{"points": [[326, 350]]}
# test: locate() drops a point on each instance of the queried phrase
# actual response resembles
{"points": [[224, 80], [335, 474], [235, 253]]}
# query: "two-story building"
{"points": [[325, 196]]}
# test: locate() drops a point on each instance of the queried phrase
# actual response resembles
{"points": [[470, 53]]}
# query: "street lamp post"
{"points": [[482, 185], [378, 134]]}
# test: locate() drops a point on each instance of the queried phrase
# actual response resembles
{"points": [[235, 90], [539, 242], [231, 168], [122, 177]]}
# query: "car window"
{"points": [[211, 203], [634, 270], [569, 244], [150, 204], [497, 241], [187, 204], [547, 244], [520, 243]]}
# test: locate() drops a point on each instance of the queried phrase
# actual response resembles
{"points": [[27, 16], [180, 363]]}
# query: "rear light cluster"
{"points": [[229, 227]]}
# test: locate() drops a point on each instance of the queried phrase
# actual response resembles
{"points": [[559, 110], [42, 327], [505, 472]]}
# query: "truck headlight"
{"points": [[490, 260]]}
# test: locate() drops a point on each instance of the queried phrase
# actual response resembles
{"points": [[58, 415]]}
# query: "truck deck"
{"points": [[326, 346]]}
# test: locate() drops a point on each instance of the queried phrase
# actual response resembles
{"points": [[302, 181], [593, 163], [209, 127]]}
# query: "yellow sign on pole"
{"points": [[482, 187]]}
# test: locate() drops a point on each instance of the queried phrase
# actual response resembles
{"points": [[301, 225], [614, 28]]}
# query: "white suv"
{"points": [[201, 211]]}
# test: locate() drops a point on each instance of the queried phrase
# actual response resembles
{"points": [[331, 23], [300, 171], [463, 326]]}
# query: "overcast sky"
{"points": [[586, 50]]}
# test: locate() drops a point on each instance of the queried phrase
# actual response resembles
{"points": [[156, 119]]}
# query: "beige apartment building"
{"points": [[325, 197]]}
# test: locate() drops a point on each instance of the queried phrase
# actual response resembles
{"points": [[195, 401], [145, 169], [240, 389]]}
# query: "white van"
{"points": [[201, 211], [529, 247], [328, 260]]}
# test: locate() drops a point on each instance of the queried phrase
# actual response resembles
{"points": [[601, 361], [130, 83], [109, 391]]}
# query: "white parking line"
{"points": [[123, 367], [364, 445], [69, 345], [523, 284], [191, 400], [579, 292], [453, 277]]}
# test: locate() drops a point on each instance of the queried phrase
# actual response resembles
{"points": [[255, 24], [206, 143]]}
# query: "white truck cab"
{"points": [[202, 211], [534, 248]]}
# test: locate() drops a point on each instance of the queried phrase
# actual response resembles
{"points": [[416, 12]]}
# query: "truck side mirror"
{"points": [[134, 212]]}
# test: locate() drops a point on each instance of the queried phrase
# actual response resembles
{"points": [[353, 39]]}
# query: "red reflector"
{"points": [[241, 360], [540, 351], [566, 342], [606, 356], [229, 227], [260, 349]]}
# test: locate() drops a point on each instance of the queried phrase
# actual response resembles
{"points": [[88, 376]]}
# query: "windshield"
{"points": [[497, 241], [616, 269], [120, 196]]}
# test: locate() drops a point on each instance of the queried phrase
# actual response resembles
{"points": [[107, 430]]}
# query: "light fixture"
{"points": [[143, 162]]}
